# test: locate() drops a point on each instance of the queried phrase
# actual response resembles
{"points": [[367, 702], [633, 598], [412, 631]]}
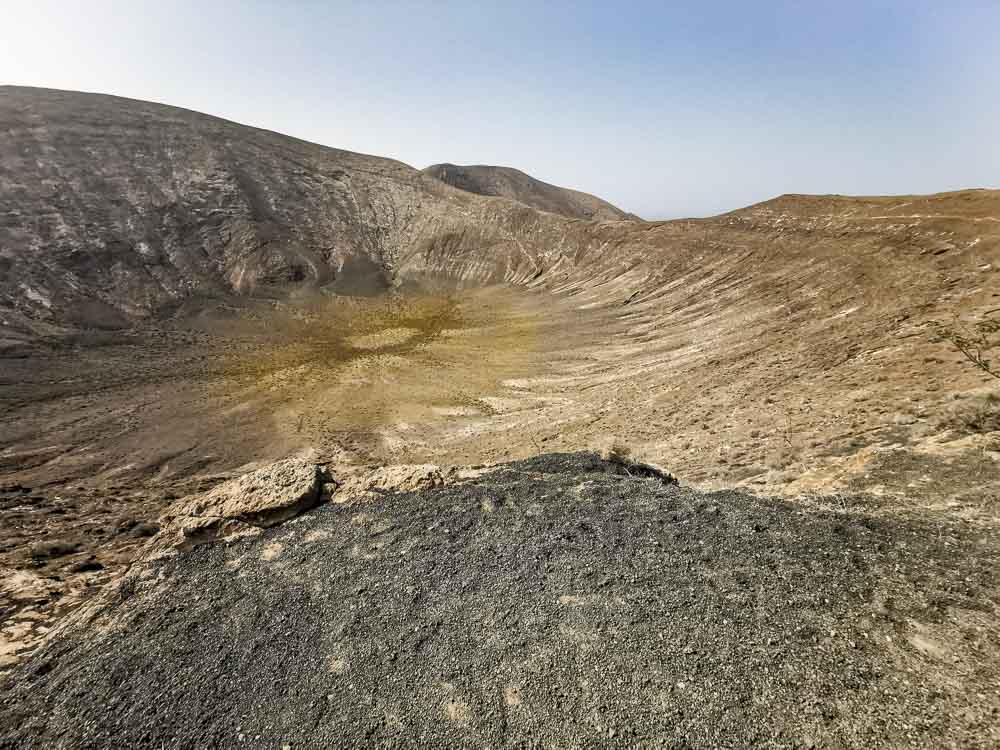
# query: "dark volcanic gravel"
{"points": [[555, 602]]}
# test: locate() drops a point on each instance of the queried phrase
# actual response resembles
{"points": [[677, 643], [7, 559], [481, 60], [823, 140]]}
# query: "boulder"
{"points": [[265, 497]]}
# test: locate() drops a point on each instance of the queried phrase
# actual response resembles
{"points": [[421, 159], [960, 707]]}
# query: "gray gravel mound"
{"points": [[556, 601]]}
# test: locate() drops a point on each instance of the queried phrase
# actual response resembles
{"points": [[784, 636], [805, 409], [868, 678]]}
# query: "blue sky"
{"points": [[667, 109]]}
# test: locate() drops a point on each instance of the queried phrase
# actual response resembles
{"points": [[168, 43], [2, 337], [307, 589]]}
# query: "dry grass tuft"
{"points": [[615, 451]]}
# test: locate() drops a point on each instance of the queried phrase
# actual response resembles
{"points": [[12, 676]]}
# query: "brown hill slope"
{"points": [[505, 182], [114, 208]]}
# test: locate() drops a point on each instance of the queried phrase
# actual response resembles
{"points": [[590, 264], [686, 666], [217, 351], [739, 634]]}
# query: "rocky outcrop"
{"points": [[277, 492], [256, 500], [359, 486]]}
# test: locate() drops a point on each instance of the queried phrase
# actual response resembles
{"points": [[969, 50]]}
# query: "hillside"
{"points": [[505, 182], [561, 600], [116, 208], [184, 298]]}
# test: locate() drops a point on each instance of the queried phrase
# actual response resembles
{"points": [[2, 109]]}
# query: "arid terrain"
{"points": [[184, 299]]}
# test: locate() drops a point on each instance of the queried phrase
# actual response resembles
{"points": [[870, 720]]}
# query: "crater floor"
{"points": [[105, 430]]}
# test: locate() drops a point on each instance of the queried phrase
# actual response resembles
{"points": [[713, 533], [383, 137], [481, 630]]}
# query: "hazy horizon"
{"points": [[687, 110]]}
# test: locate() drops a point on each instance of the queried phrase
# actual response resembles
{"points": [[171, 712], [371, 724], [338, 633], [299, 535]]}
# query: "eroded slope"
{"points": [[114, 208]]}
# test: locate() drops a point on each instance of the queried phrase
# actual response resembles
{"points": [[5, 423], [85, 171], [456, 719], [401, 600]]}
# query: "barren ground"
{"points": [[557, 601], [101, 434], [182, 298]]}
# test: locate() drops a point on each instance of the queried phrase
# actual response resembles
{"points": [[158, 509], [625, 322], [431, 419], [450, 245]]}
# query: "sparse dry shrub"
{"points": [[976, 415], [613, 449], [975, 342], [781, 457], [616, 451], [979, 414]]}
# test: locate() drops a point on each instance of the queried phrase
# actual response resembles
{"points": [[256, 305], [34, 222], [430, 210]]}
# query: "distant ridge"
{"points": [[506, 182]]}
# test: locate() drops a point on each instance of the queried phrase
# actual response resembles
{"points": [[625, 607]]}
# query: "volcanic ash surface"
{"points": [[558, 600]]}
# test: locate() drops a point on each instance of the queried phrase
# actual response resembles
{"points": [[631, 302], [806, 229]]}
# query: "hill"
{"points": [[506, 182]]}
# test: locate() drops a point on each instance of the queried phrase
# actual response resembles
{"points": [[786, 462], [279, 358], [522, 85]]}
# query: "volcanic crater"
{"points": [[184, 300]]}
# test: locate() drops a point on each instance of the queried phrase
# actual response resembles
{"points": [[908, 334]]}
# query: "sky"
{"points": [[667, 109]]}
